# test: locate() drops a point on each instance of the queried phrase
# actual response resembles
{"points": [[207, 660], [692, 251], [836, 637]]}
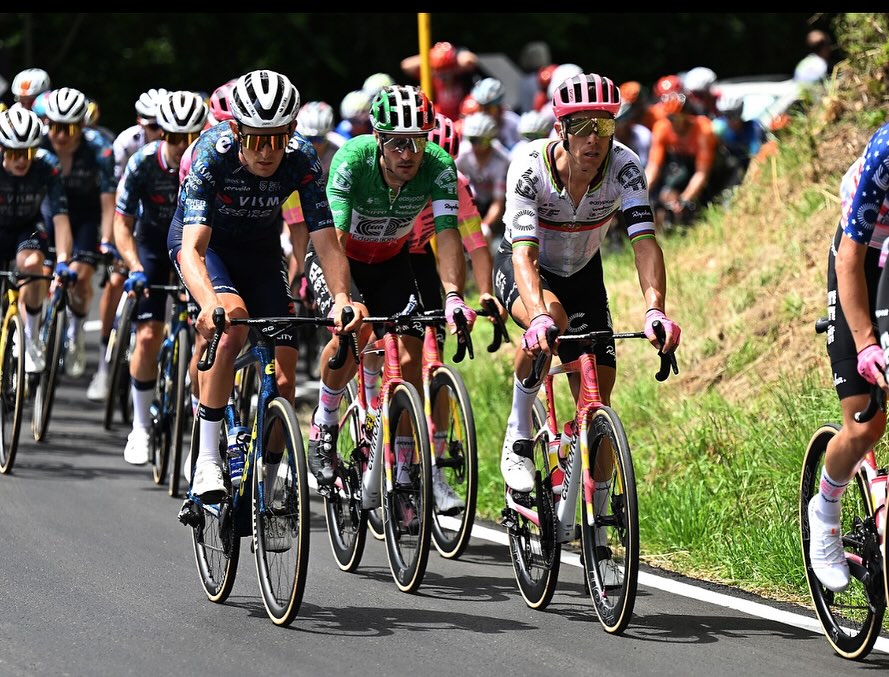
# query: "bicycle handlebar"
{"points": [[876, 403], [347, 342], [532, 379], [489, 309]]}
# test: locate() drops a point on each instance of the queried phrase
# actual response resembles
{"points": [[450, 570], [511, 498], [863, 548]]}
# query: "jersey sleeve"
{"points": [[105, 161], [864, 191], [445, 206], [292, 210], [634, 199], [339, 189], [520, 216], [468, 219], [55, 189], [129, 188], [199, 188], [313, 203]]}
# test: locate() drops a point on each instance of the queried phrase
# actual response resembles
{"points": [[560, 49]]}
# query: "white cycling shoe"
{"points": [[517, 465], [826, 552]]}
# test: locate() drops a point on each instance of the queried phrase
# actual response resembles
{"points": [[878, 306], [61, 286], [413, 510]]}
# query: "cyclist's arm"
{"points": [[107, 223], [64, 240], [652, 274], [706, 151], [125, 242], [195, 240], [657, 151], [451, 262], [852, 290], [445, 207]]}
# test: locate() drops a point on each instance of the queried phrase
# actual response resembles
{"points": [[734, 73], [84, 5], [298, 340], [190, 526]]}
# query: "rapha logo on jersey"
{"points": [[450, 207], [224, 143], [630, 177], [577, 323], [610, 351], [523, 221], [526, 186]]}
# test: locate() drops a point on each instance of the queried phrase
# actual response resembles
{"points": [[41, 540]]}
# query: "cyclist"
{"points": [[533, 125], [378, 185], [452, 69], [698, 85], [375, 82], [423, 262], [489, 93], [562, 196], [87, 162], [740, 140], [224, 241], [145, 204], [355, 113], [29, 175], [124, 146], [28, 85], [856, 358]]}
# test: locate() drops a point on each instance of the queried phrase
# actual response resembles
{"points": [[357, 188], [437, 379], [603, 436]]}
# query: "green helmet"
{"points": [[399, 109]]}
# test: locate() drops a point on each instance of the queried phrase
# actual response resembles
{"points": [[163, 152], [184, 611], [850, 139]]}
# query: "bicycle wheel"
{"points": [[851, 619], [164, 395], [458, 466], [609, 525], [181, 407], [12, 391], [533, 548], [281, 515], [346, 520], [119, 364], [216, 546], [407, 509], [53, 336]]}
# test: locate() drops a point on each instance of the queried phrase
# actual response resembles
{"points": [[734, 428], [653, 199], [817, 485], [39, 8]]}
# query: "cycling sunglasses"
{"points": [[257, 142], [399, 144], [66, 128], [180, 138], [19, 153], [601, 127]]}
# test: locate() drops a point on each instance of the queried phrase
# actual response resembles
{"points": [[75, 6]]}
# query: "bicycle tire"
{"points": [[159, 433], [346, 520], [12, 392], [851, 620], [182, 407], [611, 543], [281, 527], [407, 509], [216, 547], [118, 366], [458, 466], [534, 551], [45, 393]]}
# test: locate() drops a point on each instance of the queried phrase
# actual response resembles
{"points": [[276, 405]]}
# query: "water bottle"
{"points": [[237, 436], [878, 496]]}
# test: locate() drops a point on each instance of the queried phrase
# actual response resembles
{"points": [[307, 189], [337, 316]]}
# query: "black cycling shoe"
{"points": [[321, 454]]}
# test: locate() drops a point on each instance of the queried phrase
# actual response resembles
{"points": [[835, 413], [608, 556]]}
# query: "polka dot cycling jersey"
{"points": [[864, 193]]}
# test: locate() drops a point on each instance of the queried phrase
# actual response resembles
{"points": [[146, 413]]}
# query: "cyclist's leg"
{"points": [[84, 262], [29, 259]]}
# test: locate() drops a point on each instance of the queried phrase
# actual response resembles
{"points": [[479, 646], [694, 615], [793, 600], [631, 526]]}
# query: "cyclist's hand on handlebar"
{"points": [[671, 329], [534, 338], [63, 271], [336, 313], [500, 309], [108, 248], [453, 302], [136, 279], [872, 365], [205, 325]]}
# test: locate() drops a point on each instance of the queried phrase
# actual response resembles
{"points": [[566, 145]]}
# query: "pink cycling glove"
{"points": [[453, 301], [670, 327], [535, 335], [871, 361]]}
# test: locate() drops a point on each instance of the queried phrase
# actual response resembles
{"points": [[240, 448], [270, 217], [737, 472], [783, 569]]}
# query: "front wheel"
{"points": [[53, 335], [609, 525], [455, 472], [12, 391], [407, 508], [281, 513], [851, 619], [182, 407], [118, 395]]}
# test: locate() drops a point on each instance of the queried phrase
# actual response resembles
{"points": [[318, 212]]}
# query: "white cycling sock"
{"points": [[329, 399], [828, 501], [518, 425], [142, 397], [209, 447], [32, 324]]}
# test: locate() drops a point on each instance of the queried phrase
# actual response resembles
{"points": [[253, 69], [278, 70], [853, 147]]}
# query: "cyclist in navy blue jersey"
{"points": [[225, 241], [87, 165], [28, 176]]}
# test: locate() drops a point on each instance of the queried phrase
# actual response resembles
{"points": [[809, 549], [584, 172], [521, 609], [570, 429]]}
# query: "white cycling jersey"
{"points": [[125, 146], [540, 213]]}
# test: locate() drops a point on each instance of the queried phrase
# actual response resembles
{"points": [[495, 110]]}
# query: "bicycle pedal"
{"points": [[189, 514], [508, 518]]}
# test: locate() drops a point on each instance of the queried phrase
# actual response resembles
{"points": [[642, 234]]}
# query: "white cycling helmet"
{"points": [[560, 74], [20, 128], [730, 105], [698, 79], [535, 124], [479, 126], [30, 82], [146, 104], [264, 98], [355, 105], [66, 105], [315, 119], [488, 92], [374, 83], [182, 112]]}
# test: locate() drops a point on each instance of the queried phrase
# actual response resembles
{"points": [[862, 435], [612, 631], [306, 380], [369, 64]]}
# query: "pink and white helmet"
{"points": [[584, 92], [445, 135]]}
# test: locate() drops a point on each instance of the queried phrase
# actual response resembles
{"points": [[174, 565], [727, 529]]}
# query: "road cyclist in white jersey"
{"points": [[561, 197]]}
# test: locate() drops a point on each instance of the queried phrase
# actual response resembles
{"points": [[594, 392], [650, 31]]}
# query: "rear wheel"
{"points": [[456, 462], [12, 391], [181, 407], [164, 395], [851, 619], [53, 336], [407, 509], [281, 514], [346, 520], [534, 550], [119, 343], [609, 525]]}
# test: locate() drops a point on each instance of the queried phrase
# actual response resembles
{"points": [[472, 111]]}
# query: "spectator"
{"points": [[813, 67], [452, 70]]}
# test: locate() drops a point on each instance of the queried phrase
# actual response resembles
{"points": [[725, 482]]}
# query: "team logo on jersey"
{"points": [[224, 143], [447, 180], [630, 177], [523, 221], [577, 323], [526, 186]]}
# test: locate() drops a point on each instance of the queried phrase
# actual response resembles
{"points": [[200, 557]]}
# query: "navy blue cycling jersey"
{"points": [[21, 196], [148, 193], [239, 206], [91, 174]]}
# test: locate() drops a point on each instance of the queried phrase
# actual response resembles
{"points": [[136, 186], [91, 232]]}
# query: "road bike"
{"points": [[851, 619], [584, 487], [267, 487], [13, 386], [121, 342]]}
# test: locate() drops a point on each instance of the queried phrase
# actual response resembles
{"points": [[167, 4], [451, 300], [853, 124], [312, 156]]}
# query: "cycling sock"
{"points": [[404, 456], [143, 393], [827, 502], [519, 421], [372, 383], [75, 324], [327, 412], [211, 424], [32, 321]]}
